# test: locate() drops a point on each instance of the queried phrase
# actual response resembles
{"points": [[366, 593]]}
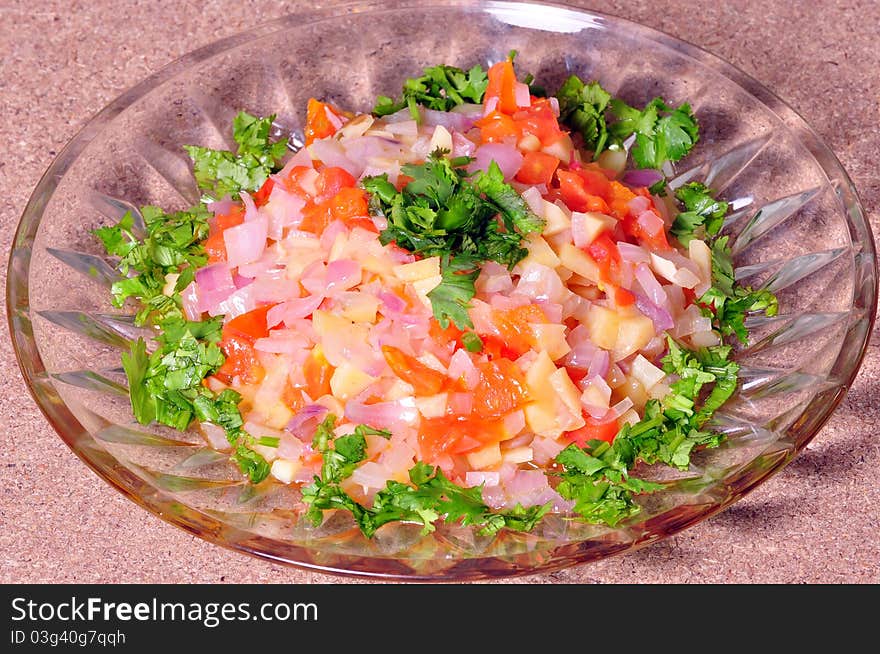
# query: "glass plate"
{"points": [[797, 228]]}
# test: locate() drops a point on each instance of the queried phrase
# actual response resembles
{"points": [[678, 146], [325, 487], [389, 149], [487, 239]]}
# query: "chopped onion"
{"points": [[508, 158], [246, 242], [303, 423], [291, 310], [643, 177], [450, 120], [384, 415], [659, 316]]}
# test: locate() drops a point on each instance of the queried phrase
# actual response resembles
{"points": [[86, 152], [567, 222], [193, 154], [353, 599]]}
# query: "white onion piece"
{"points": [[371, 475], [293, 309], [246, 242], [331, 153], [481, 477], [216, 436], [237, 303], [508, 158], [384, 415]]}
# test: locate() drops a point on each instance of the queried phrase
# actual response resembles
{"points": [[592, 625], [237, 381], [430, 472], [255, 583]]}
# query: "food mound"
{"points": [[477, 303]]}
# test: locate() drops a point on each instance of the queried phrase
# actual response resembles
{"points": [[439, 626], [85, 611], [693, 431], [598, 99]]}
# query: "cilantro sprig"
{"points": [[429, 497], [464, 219], [221, 173], [441, 88], [165, 385], [662, 133], [597, 476], [726, 302]]}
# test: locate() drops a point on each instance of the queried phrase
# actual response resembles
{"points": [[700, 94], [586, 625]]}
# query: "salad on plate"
{"points": [[480, 303]]}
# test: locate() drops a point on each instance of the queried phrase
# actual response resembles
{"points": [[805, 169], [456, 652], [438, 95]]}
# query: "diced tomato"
{"points": [[457, 435], [316, 217], [293, 181], [576, 374], [512, 335], [293, 397], [497, 128], [349, 203], [261, 197], [623, 297], [595, 181], [574, 193], [318, 123], [402, 180], [501, 389], [331, 180], [540, 121], [620, 199], [237, 344], [537, 168], [250, 325], [605, 429], [502, 85], [317, 371], [423, 379], [606, 255], [215, 246], [241, 361]]}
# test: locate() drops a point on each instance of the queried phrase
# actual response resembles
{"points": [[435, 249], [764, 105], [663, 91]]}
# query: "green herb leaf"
{"points": [[703, 216], [582, 107], [441, 88], [662, 133]]}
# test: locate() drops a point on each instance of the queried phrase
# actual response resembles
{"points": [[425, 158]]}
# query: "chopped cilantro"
{"points": [[443, 212], [428, 497], [582, 107], [703, 215], [221, 173], [441, 88], [472, 342], [662, 133]]}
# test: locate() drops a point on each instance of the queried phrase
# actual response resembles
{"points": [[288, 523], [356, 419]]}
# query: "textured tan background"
{"points": [[816, 521]]}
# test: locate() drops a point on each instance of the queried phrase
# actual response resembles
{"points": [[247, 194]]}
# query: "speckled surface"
{"points": [[816, 521]]}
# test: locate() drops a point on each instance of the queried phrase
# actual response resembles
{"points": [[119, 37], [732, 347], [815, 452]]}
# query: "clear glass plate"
{"points": [[797, 228]]}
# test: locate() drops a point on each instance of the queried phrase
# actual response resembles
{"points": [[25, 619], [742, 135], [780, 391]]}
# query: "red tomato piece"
{"points": [[501, 389], [423, 379], [537, 168], [605, 429]]}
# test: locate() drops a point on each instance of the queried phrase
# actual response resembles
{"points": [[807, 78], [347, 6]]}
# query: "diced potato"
{"points": [[701, 255], [596, 394], [565, 390], [529, 143], [424, 286], [337, 250], [579, 262], [551, 338], [518, 455], [633, 389], [418, 270], [556, 218], [632, 335], [592, 223], [646, 372], [277, 416], [377, 265], [432, 406], [171, 282], [560, 148], [284, 470], [397, 390], [485, 457], [441, 139], [347, 381], [332, 404], [613, 160], [359, 307], [604, 326], [630, 417], [663, 267], [541, 411], [539, 252], [432, 362]]}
